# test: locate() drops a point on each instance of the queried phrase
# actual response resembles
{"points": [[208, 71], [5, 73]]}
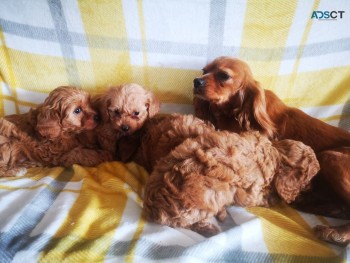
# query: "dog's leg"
{"points": [[335, 168], [339, 235]]}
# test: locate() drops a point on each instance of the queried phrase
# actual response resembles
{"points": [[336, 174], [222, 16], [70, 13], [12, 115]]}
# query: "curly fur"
{"points": [[49, 134], [197, 171], [123, 110], [229, 96]]}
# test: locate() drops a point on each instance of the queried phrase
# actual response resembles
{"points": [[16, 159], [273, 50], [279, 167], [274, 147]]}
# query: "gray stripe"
{"points": [[167, 47], [18, 237], [344, 121], [153, 251], [216, 29], [64, 38]]}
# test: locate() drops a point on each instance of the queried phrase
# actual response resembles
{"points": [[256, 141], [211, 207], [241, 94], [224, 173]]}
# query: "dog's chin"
{"points": [[200, 96], [126, 133], [214, 100]]}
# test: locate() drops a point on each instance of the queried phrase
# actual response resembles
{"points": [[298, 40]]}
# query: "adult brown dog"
{"points": [[229, 96]]}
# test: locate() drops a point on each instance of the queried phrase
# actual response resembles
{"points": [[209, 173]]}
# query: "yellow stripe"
{"points": [[266, 26], [285, 224], [2, 108], [7, 64], [313, 88], [105, 20], [301, 49], [144, 43], [96, 214]]}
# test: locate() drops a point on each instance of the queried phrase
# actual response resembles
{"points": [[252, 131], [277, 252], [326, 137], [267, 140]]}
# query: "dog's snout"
{"points": [[124, 127], [198, 83]]}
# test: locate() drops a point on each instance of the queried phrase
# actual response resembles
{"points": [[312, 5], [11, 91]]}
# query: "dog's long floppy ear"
{"points": [[201, 108], [298, 165], [254, 105], [101, 104], [48, 121], [152, 104]]}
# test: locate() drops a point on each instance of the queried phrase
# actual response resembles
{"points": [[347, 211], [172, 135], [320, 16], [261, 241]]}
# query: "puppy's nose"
{"points": [[96, 118], [124, 127], [198, 83]]}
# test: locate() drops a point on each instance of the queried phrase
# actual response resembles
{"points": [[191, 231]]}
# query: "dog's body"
{"points": [[228, 95], [49, 134], [158, 137], [197, 171]]}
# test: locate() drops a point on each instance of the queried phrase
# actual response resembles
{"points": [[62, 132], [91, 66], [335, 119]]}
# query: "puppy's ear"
{"points": [[298, 165], [152, 104], [48, 122]]}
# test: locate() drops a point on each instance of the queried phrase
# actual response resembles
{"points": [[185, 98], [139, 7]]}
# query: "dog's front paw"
{"points": [[332, 234], [205, 228]]}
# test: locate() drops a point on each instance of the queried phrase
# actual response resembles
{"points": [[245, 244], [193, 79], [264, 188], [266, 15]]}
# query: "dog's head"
{"points": [[298, 165], [67, 110], [221, 79], [127, 107]]}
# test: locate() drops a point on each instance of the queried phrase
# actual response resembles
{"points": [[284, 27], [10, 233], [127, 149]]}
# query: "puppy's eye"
{"points": [[116, 112], [135, 113], [204, 71], [223, 76], [78, 110]]}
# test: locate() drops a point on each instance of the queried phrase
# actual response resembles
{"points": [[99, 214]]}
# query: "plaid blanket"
{"points": [[95, 214], [299, 49]]}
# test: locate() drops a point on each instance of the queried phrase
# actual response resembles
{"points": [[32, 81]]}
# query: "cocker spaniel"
{"points": [[49, 134], [228, 95], [197, 171]]}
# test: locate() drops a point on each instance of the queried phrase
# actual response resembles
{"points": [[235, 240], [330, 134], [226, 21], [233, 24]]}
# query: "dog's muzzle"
{"points": [[198, 84]]}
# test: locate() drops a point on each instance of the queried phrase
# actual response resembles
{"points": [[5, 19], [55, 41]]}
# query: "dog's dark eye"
{"points": [[223, 76], [78, 110], [204, 71], [116, 112], [135, 113]]}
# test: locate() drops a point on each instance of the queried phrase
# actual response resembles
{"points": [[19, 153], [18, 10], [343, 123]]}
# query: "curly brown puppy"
{"points": [[158, 137], [204, 174], [123, 111], [49, 134], [228, 95]]}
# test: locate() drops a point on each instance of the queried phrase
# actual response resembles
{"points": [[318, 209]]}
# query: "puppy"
{"points": [[196, 171], [158, 136], [211, 169], [49, 134], [229, 96], [123, 111]]}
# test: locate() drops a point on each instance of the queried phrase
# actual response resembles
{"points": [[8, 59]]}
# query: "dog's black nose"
{"points": [[124, 127], [96, 118], [198, 83]]}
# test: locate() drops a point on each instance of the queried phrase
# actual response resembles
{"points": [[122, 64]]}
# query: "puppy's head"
{"points": [[67, 110], [221, 79], [127, 107], [298, 165]]}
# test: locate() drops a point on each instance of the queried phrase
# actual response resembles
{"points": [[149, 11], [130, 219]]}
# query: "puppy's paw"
{"points": [[221, 215], [205, 228], [335, 235]]}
